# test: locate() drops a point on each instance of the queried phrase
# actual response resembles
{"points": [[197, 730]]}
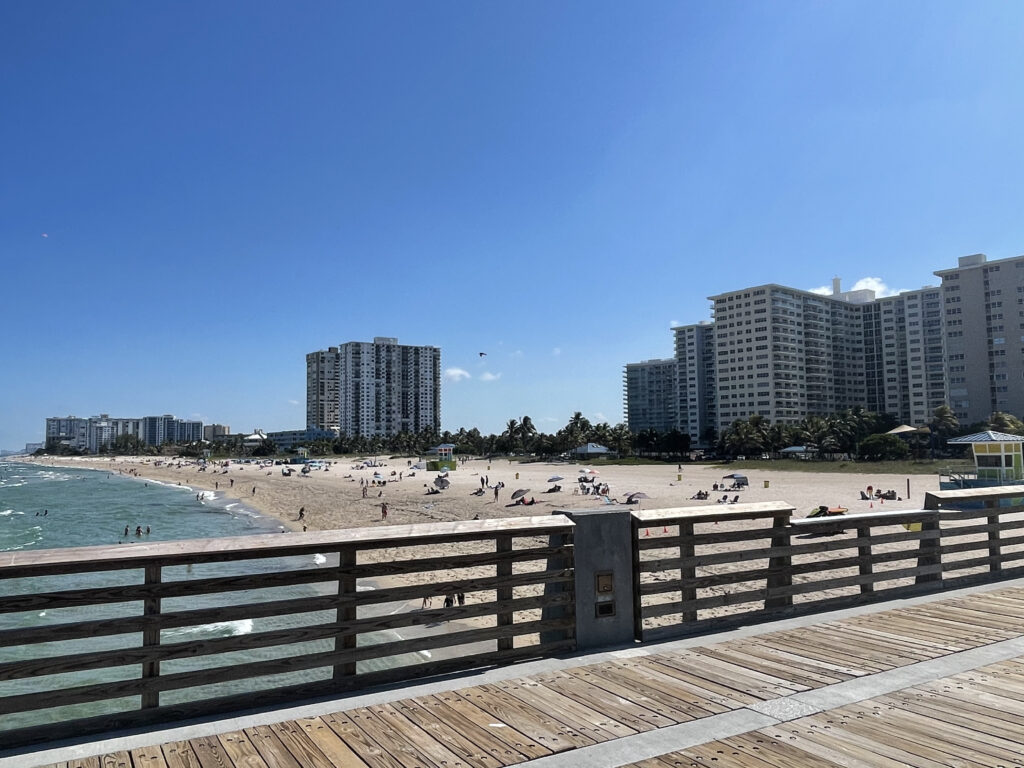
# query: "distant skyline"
{"points": [[196, 195]]}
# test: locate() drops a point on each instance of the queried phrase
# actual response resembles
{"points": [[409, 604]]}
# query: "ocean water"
{"points": [[43, 508]]}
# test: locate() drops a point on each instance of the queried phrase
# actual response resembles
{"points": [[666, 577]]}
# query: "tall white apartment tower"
{"points": [[784, 353], [377, 388]]}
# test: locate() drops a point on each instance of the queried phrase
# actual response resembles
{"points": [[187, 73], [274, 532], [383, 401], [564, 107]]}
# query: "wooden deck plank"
{"points": [[484, 728], [270, 748], [209, 752], [814, 648], [753, 657], [730, 676], [629, 689], [510, 710], [179, 754], [857, 645], [778, 754], [151, 757], [967, 740], [593, 724], [422, 740], [453, 740], [884, 640], [810, 738], [717, 753], [87, 762], [888, 718], [934, 645], [391, 741], [881, 727], [328, 742], [622, 709], [369, 750], [672, 686], [240, 750], [293, 738]]}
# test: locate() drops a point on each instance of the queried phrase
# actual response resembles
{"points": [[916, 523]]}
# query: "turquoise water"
{"points": [[85, 507], [43, 507]]}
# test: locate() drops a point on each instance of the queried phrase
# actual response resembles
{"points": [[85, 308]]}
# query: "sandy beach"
{"points": [[333, 498]]}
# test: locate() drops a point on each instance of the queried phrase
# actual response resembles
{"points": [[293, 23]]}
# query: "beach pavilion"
{"points": [[590, 449], [997, 456]]}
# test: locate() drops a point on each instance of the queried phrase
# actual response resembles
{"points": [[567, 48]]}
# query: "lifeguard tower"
{"points": [[445, 461], [997, 457]]}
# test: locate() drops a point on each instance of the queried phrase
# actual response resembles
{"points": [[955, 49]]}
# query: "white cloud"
{"points": [[456, 374], [673, 324], [601, 418], [293, 402], [488, 376], [517, 353], [556, 351], [875, 284]]}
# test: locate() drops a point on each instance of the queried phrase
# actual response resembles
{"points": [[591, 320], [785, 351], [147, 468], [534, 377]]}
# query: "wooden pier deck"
{"points": [[936, 683]]}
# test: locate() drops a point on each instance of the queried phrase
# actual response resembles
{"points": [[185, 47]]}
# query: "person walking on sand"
{"points": [[383, 511], [495, 493], [254, 490], [302, 513]]}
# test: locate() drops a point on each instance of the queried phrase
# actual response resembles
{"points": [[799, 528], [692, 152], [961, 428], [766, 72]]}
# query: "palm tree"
{"points": [[1005, 422], [526, 432], [577, 430], [510, 434], [620, 439], [944, 421]]}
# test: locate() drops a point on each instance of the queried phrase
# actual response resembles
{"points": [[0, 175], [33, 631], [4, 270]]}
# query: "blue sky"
{"points": [[195, 195]]}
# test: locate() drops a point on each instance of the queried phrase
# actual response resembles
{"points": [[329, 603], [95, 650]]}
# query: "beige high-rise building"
{"points": [[983, 303]]}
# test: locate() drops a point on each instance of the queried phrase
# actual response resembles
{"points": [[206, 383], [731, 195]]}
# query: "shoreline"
{"points": [[119, 465]]}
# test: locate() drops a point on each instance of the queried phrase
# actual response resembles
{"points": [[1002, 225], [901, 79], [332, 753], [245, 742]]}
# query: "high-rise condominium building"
{"points": [[695, 361], [983, 305], [374, 388], [650, 388], [783, 353]]}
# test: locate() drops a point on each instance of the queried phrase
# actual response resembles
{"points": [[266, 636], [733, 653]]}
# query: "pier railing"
{"points": [[701, 568], [101, 638]]}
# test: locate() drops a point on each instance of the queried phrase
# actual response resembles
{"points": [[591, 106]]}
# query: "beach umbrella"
{"points": [[638, 495], [442, 482], [519, 493], [555, 478], [593, 472], [734, 476]]}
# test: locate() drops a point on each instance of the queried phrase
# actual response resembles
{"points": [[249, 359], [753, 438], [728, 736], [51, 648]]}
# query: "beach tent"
{"points": [[796, 450]]}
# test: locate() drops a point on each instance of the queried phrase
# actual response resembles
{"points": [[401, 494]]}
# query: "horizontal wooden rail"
{"points": [[259, 620], [699, 568]]}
